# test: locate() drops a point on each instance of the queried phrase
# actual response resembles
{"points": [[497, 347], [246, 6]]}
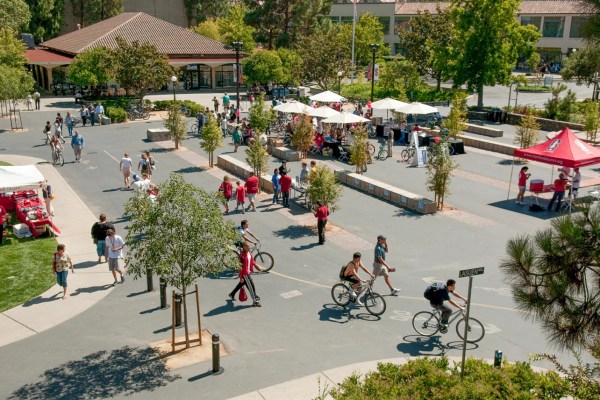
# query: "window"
{"points": [[553, 27], [577, 24], [535, 21], [400, 23], [346, 20], [385, 21]]}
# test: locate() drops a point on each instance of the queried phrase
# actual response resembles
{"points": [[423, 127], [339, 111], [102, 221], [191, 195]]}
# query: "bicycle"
{"points": [[408, 153], [383, 152], [57, 157], [427, 323], [262, 258], [374, 302], [137, 112], [194, 128]]}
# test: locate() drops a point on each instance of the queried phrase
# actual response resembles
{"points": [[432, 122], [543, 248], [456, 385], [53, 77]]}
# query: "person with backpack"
{"points": [[349, 273], [438, 293]]}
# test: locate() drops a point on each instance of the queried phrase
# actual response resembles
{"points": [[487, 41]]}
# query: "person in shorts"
{"points": [[251, 190], [523, 176], [61, 262], [125, 168], [351, 273], [114, 252], [99, 233], [226, 189], [380, 267], [240, 195]]}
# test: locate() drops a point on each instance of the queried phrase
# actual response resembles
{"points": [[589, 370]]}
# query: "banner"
{"points": [[237, 73], [376, 73]]}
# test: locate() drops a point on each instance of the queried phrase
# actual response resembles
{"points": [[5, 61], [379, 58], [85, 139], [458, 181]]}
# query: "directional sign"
{"points": [[465, 273]]}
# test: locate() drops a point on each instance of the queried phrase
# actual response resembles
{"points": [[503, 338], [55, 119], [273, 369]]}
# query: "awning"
{"points": [[45, 57], [20, 178]]}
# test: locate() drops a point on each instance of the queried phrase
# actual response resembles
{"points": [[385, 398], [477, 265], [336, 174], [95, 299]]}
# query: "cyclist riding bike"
{"points": [[351, 274], [55, 146], [245, 232], [438, 293]]}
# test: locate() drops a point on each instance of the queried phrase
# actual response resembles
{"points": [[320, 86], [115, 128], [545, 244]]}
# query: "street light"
{"points": [[340, 73], [174, 80], [374, 48], [237, 46]]}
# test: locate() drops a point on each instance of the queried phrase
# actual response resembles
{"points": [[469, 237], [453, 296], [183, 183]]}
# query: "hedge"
{"points": [[116, 114], [162, 105]]}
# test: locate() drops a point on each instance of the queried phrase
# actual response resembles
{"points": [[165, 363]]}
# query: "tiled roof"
{"points": [[168, 38], [40, 56], [527, 7]]}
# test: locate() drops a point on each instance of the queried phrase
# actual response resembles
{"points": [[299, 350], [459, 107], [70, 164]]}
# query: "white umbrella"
{"points": [[293, 107], [388, 104], [416, 108], [345, 118], [322, 112], [328, 97]]}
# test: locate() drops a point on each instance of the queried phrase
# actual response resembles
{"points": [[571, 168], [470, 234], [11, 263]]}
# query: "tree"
{"points": [[591, 122], [323, 186], [554, 277], [258, 158], [591, 30], [46, 18], [92, 68], [583, 67], [14, 14], [211, 138], [208, 28], [359, 155], [303, 135], [233, 28], [11, 49], [140, 66], [487, 43], [368, 30], [397, 77], [263, 66], [457, 118], [176, 124], [527, 132], [260, 116], [198, 11], [91, 11], [180, 237], [560, 108], [424, 41], [291, 64], [439, 172], [15, 84]]}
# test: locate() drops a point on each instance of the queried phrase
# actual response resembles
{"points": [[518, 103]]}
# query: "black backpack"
{"points": [[433, 291], [342, 272]]}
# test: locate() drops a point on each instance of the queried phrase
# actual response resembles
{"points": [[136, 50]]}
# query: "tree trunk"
{"points": [[185, 320], [438, 78], [480, 96]]}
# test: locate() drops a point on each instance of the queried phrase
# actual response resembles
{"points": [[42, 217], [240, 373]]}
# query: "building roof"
{"points": [[132, 26], [541, 7], [41, 57]]}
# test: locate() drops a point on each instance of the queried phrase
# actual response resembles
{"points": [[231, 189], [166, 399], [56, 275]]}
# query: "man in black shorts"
{"points": [[351, 274], [443, 294]]}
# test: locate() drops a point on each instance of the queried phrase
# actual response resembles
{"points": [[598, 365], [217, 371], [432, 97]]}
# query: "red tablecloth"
{"points": [[41, 223]]}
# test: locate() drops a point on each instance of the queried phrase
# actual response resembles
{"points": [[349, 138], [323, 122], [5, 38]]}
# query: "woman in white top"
{"points": [[125, 168]]}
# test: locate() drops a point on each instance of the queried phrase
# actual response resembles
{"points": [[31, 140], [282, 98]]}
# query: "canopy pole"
{"points": [[512, 167]]}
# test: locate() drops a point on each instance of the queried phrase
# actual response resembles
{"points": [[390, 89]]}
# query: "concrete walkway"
{"points": [[90, 283]]}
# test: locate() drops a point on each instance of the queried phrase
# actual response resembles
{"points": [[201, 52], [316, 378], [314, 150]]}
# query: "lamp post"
{"points": [[237, 46], [174, 81], [374, 48], [339, 74]]}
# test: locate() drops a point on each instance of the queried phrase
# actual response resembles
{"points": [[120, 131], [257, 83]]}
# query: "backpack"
{"points": [[432, 292], [342, 272]]}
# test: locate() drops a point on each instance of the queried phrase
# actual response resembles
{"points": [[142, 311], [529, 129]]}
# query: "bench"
{"points": [[158, 134], [242, 170], [484, 130], [489, 145], [285, 154]]}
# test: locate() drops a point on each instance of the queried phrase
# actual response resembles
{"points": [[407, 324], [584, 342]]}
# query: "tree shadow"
{"points": [[63, 104], [162, 149], [294, 232], [510, 162], [85, 264], [230, 306], [403, 212], [190, 170], [101, 375]]}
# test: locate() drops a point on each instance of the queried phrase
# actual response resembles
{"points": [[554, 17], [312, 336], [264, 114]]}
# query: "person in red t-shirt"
{"points": [[226, 189], [560, 185], [251, 190], [523, 176], [321, 214], [240, 195], [248, 265], [286, 183]]}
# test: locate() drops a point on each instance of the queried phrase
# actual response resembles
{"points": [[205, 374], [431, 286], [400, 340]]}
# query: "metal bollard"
{"points": [[216, 356], [163, 294], [149, 281], [178, 301], [498, 358]]}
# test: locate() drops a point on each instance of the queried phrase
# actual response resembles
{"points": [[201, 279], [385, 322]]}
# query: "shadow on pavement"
{"points": [[91, 289], [509, 205], [189, 170], [341, 315], [510, 162], [230, 306], [86, 264], [63, 104], [403, 212], [101, 375], [305, 246], [40, 299], [150, 311], [294, 232], [162, 150], [418, 345]]}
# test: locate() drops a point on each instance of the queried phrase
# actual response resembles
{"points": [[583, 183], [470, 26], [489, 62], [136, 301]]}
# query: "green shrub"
{"points": [[113, 101], [535, 89], [116, 115], [163, 105]]}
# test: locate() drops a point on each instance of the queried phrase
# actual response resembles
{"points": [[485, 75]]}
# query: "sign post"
{"points": [[463, 274]]}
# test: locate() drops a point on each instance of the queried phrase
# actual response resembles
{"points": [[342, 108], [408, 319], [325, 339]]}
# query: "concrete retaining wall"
{"points": [[285, 154], [489, 145], [546, 124], [484, 130], [242, 170]]}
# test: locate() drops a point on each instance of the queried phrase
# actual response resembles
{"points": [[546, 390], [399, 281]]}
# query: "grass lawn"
{"points": [[4, 163], [25, 269]]}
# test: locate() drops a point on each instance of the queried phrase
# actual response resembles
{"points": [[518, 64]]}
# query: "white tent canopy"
{"points": [[388, 104], [323, 112], [345, 118], [293, 107], [328, 97], [417, 108], [20, 178]]}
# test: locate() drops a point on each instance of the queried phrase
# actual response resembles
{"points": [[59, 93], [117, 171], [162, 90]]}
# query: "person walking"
{"points": [[226, 100], [99, 233], [321, 213], [380, 267], [125, 168], [77, 145], [216, 103], [84, 113], [247, 267], [92, 112], [61, 262], [240, 196], [523, 176], [226, 189], [114, 252], [560, 185], [48, 195], [575, 182], [223, 124], [36, 99], [99, 112], [48, 131], [237, 138], [276, 186], [70, 122], [286, 183], [58, 129], [29, 102], [251, 186]]}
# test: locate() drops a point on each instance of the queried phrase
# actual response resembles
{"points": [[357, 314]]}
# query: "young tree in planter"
{"points": [[211, 138], [258, 159], [457, 118], [324, 186], [439, 170], [180, 237], [176, 124], [359, 155], [527, 132], [591, 121], [302, 138], [260, 116]]}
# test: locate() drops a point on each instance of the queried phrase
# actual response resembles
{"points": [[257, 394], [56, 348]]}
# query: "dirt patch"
{"points": [[184, 357]]}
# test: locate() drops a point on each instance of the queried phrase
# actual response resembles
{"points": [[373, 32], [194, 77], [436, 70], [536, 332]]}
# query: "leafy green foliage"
{"points": [[180, 237], [560, 108], [46, 18], [302, 138], [397, 77], [368, 30], [554, 277], [439, 172], [457, 118], [263, 66], [91, 11], [260, 115], [592, 121], [359, 155], [93, 67], [192, 106], [233, 28], [11, 49], [591, 30], [211, 138], [117, 115], [323, 186], [258, 158], [15, 84], [203, 10], [14, 14], [292, 66], [176, 124], [527, 132], [583, 66], [208, 28]]}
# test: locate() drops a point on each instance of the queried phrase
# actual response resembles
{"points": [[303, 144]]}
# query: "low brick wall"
{"points": [[242, 170], [484, 130], [489, 145], [546, 124], [158, 134]]}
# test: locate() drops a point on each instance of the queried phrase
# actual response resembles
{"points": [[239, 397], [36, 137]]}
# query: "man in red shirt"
{"points": [[251, 190], [321, 214], [248, 265], [286, 183], [559, 191]]}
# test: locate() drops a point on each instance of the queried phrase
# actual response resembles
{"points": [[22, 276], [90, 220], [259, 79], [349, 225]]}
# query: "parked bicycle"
{"points": [[137, 112], [427, 323], [342, 294], [383, 152], [194, 128]]}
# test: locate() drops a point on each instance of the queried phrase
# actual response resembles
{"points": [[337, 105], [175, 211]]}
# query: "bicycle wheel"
{"points": [[475, 333], [61, 160], [265, 260], [372, 132], [340, 294], [194, 129], [425, 323], [371, 149], [405, 155], [450, 150], [375, 303], [145, 114], [383, 154]]}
